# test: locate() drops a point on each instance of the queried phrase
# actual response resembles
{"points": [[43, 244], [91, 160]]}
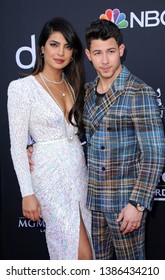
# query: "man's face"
{"points": [[105, 57]]}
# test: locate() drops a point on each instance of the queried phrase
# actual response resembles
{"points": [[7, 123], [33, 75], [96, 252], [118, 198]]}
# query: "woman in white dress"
{"points": [[43, 104]]}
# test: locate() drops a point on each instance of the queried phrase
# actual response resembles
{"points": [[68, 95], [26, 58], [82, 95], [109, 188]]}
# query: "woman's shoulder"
{"points": [[21, 82], [20, 88], [21, 85]]}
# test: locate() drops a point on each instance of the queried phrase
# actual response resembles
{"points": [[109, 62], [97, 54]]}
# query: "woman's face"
{"points": [[57, 52]]}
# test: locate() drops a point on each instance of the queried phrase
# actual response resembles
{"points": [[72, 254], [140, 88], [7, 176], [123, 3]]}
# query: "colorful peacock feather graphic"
{"points": [[115, 16]]}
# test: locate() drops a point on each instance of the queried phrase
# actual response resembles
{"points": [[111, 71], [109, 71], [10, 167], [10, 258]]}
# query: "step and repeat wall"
{"points": [[143, 28]]}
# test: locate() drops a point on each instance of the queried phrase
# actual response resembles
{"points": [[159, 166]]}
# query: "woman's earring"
{"points": [[41, 54], [71, 59]]}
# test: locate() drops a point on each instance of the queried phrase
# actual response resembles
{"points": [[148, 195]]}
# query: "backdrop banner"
{"points": [[143, 28]]}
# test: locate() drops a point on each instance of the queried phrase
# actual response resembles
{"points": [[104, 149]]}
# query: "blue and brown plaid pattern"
{"points": [[125, 144], [110, 243]]}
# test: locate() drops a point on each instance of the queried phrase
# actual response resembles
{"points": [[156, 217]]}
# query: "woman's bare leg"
{"points": [[85, 250]]}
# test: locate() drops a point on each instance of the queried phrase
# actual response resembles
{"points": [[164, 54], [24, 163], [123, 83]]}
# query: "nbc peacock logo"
{"points": [[116, 17]]}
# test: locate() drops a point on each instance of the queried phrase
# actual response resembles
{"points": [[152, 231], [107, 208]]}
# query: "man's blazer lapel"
{"points": [[96, 113]]}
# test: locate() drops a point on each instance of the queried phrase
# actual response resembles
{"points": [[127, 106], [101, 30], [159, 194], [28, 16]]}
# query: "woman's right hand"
{"points": [[31, 208]]}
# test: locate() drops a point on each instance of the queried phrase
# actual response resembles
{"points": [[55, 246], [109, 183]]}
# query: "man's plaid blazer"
{"points": [[125, 144]]}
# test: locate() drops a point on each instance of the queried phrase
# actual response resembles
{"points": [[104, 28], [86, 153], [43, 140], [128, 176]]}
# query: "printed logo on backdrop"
{"points": [[160, 190], [115, 16], [26, 223], [143, 19], [31, 50], [160, 104]]}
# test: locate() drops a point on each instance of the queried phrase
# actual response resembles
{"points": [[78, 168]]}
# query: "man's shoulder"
{"points": [[135, 84], [89, 86]]}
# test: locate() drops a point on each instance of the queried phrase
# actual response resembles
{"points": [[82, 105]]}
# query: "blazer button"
{"points": [[103, 168], [109, 128], [102, 147]]}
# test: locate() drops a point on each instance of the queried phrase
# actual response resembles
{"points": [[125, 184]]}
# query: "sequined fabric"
{"points": [[59, 179]]}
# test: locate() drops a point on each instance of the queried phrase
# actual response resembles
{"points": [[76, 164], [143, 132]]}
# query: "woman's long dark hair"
{"points": [[74, 72]]}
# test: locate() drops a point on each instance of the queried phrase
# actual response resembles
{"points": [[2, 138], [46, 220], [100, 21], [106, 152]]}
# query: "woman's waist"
{"points": [[55, 140]]}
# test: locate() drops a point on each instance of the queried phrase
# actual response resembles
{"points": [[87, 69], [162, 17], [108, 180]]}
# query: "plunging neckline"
{"points": [[50, 98]]}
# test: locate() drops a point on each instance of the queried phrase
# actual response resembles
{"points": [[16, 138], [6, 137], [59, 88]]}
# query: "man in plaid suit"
{"points": [[125, 147]]}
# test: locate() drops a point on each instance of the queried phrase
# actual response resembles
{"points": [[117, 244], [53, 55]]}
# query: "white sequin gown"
{"points": [[59, 179]]}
